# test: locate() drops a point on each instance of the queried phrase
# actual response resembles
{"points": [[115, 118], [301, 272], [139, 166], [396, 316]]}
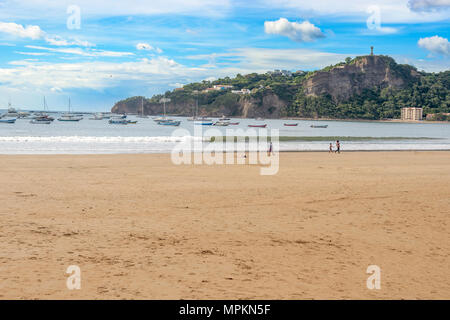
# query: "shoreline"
{"points": [[225, 152]]}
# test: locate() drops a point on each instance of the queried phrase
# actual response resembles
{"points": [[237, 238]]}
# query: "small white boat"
{"points": [[169, 122], [70, 118], [118, 121], [40, 121], [222, 123], [97, 116], [11, 121]]}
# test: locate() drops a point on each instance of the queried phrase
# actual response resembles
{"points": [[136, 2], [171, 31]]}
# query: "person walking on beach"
{"points": [[270, 149], [331, 148], [338, 147]]}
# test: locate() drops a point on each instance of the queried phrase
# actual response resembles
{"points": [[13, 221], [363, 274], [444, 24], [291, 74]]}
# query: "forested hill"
{"points": [[366, 87]]}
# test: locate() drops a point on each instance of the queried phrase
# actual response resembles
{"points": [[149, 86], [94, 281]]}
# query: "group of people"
{"points": [[338, 147]]}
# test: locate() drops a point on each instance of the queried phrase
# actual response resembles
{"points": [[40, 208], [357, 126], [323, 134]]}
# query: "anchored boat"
{"points": [[68, 117], [169, 123], [118, 121], [13, 120], [222, 123], [42, 120], [203, 123]]}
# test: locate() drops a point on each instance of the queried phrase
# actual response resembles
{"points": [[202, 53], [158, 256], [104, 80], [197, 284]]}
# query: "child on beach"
{"points": [[331, 148]]}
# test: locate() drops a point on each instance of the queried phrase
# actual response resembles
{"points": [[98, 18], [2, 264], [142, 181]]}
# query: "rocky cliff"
{"points": [[347, 79], [266, 105]]}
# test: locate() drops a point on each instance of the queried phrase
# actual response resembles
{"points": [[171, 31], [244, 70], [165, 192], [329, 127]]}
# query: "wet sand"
{"points": [[140, 227]]}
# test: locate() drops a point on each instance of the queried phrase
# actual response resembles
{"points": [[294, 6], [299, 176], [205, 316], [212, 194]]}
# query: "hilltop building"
{"points": [[242, 91], [222, 87], [414, 114], [284, 73]]}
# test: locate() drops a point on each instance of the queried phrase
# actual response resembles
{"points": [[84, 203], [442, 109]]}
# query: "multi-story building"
{"points": [[414, 114]]}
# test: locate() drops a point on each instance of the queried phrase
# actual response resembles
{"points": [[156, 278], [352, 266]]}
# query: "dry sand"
{"points": [[141, 228]]}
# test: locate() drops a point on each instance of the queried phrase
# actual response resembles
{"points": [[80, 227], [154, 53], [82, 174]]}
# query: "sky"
{"points": [[98, 52]]}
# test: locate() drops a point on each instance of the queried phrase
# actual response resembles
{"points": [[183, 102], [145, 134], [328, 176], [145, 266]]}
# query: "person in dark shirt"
{"points": [[338, 147]]}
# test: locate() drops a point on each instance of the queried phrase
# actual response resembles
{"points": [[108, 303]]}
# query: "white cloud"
{"points": [[381, 31], [32, 53], [300, 32], [176, 85], [91, 75], [56, 89], [58, 41], [17, 30], [435, 44], [84, 52], [428, 5], [248, 60], [146, 46], [36, 33]]}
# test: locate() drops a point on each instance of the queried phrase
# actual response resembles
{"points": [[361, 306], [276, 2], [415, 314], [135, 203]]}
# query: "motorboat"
{"points": [[12, 120], [222, 123], [169, 122], [40, 121], [118, 121], [203, 123]]}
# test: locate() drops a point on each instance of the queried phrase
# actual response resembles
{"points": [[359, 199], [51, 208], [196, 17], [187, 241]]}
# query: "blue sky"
{"points": [[136, 47]]}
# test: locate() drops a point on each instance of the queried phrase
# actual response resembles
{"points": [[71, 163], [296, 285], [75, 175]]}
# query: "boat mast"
{"points": [[196, 107]]}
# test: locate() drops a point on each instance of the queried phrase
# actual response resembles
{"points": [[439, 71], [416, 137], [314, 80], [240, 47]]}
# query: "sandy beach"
{"points": [[140, 227]]}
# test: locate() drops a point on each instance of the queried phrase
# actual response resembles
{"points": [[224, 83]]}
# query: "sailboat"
{"points": [[68, 117], [43, 117], [194, 117], [142, 115], [164, 121]]}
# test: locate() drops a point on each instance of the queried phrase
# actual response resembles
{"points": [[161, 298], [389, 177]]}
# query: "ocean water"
{"points": [[100, 137]]}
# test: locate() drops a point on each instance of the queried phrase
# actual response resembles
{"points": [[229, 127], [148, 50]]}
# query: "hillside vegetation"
{"points": [[366, 87]]}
